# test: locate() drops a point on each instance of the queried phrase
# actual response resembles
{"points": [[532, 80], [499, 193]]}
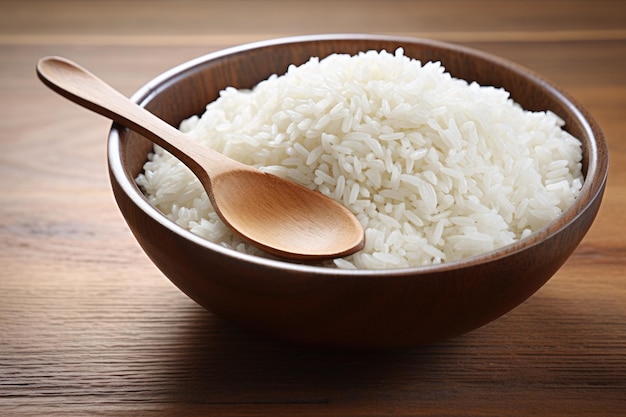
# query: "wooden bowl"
{"points": [[338, 308]]}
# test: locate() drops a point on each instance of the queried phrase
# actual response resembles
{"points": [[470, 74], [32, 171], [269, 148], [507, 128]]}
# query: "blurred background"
{"points": [[179, 30], [129, 32]]}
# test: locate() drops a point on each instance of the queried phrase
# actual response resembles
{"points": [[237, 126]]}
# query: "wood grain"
{"points": [[88, 326]]}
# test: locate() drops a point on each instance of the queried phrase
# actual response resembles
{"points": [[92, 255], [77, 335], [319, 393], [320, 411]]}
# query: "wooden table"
{"points": [[88, 326]]}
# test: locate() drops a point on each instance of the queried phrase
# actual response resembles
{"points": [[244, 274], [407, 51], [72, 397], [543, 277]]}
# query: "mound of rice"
{"points": [[434, 168]]}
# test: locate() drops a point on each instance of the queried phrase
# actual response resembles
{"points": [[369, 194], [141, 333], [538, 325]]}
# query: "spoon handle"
{"points": [[84, 88]]}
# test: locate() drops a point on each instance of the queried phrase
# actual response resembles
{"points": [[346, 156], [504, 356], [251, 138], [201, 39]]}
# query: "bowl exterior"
{"points": [[352, 309]]}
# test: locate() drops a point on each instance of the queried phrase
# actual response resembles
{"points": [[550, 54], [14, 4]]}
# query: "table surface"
{"points": [[89, 326]]}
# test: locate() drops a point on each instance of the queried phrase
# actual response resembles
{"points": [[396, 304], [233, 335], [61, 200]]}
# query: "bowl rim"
{"points": [[590, 190]]}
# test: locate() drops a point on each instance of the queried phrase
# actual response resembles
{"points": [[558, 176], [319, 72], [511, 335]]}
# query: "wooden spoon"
{"points": [[281, 217]]}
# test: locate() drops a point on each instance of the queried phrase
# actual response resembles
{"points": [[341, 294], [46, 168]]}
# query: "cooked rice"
{"points": [[436, 169]]}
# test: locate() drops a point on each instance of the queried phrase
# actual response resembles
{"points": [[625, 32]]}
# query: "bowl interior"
{"points": [[187, 89]]}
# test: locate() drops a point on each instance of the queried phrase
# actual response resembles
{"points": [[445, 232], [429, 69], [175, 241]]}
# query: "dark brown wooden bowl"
{"points": [[338, 308]]}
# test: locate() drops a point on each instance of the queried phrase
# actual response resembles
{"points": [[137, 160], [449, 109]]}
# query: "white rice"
{"points": [[434, 168]]}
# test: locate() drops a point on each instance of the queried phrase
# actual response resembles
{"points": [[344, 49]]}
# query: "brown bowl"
{"points": [[338, 308]]}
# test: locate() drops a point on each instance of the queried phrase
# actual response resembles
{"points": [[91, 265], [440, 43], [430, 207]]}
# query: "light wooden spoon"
{"points": [[283, 218]]}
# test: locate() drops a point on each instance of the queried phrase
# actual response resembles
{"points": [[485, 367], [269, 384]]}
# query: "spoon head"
{"points": [[284, 218]]}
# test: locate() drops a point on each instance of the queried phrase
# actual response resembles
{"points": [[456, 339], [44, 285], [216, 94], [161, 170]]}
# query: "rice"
{"points": [[436, 169]]}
